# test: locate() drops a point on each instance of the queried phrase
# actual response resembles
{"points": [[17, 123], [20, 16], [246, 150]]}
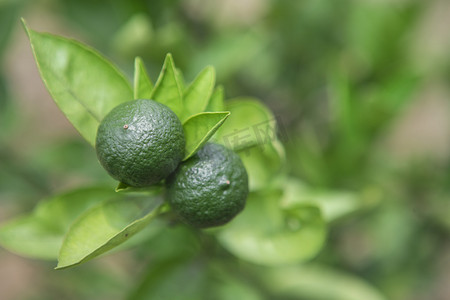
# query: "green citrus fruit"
{"points": [[210, 188], [140, 142]]}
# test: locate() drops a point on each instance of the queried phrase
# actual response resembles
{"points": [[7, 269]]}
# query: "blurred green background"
{"points": [[360, 88]]}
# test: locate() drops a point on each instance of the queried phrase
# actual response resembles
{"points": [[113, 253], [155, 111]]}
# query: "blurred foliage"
{"points": [[338, 75]]}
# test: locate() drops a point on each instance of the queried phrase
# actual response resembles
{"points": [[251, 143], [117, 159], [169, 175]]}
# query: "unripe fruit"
{"points": [[210, 188], [140, 142]]}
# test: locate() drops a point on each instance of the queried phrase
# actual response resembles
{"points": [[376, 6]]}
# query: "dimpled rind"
{"points": [[210, 188], [140, 142]]}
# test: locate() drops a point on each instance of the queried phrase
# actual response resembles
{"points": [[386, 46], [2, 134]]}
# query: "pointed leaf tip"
{"points": [[216, 102], [104, 227], [84, 97], [199, 92], [143, 85], [167, 89], [25, 26], [199, 128]]}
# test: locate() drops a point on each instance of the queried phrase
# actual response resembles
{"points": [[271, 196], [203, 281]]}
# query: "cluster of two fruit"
{"points": [[141, 143]]}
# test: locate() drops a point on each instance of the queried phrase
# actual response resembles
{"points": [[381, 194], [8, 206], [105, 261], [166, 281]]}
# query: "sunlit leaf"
{"points": [[266, 234], [199, 128], [198, 93], [216, 102], [167, 89], [180, 79], [250, 124], [143, 86], [105, 227], [83, 83], [40, 234]]}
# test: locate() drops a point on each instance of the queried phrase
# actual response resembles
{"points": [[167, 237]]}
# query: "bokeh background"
{"points": [[361, 88]]}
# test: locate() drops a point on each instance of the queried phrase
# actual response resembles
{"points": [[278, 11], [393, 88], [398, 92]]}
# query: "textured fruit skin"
{"points": [[210, 188], [140, 142]]}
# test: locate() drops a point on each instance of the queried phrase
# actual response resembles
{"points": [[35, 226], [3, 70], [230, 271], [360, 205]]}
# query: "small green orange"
{"points": [[140, 142], [210, 188]]}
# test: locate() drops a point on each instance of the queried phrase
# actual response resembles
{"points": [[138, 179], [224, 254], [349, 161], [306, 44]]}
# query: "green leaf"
{"points": [[197, 95], [199, 128], [251, 123], [251, 130], [83, 83], [167, 89], [104, 227], [333, 204], [216, 102], [264, 233], [180, 79], [143, 86], [123, 187], [316, 282], [40, 234], [263, 164]]}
